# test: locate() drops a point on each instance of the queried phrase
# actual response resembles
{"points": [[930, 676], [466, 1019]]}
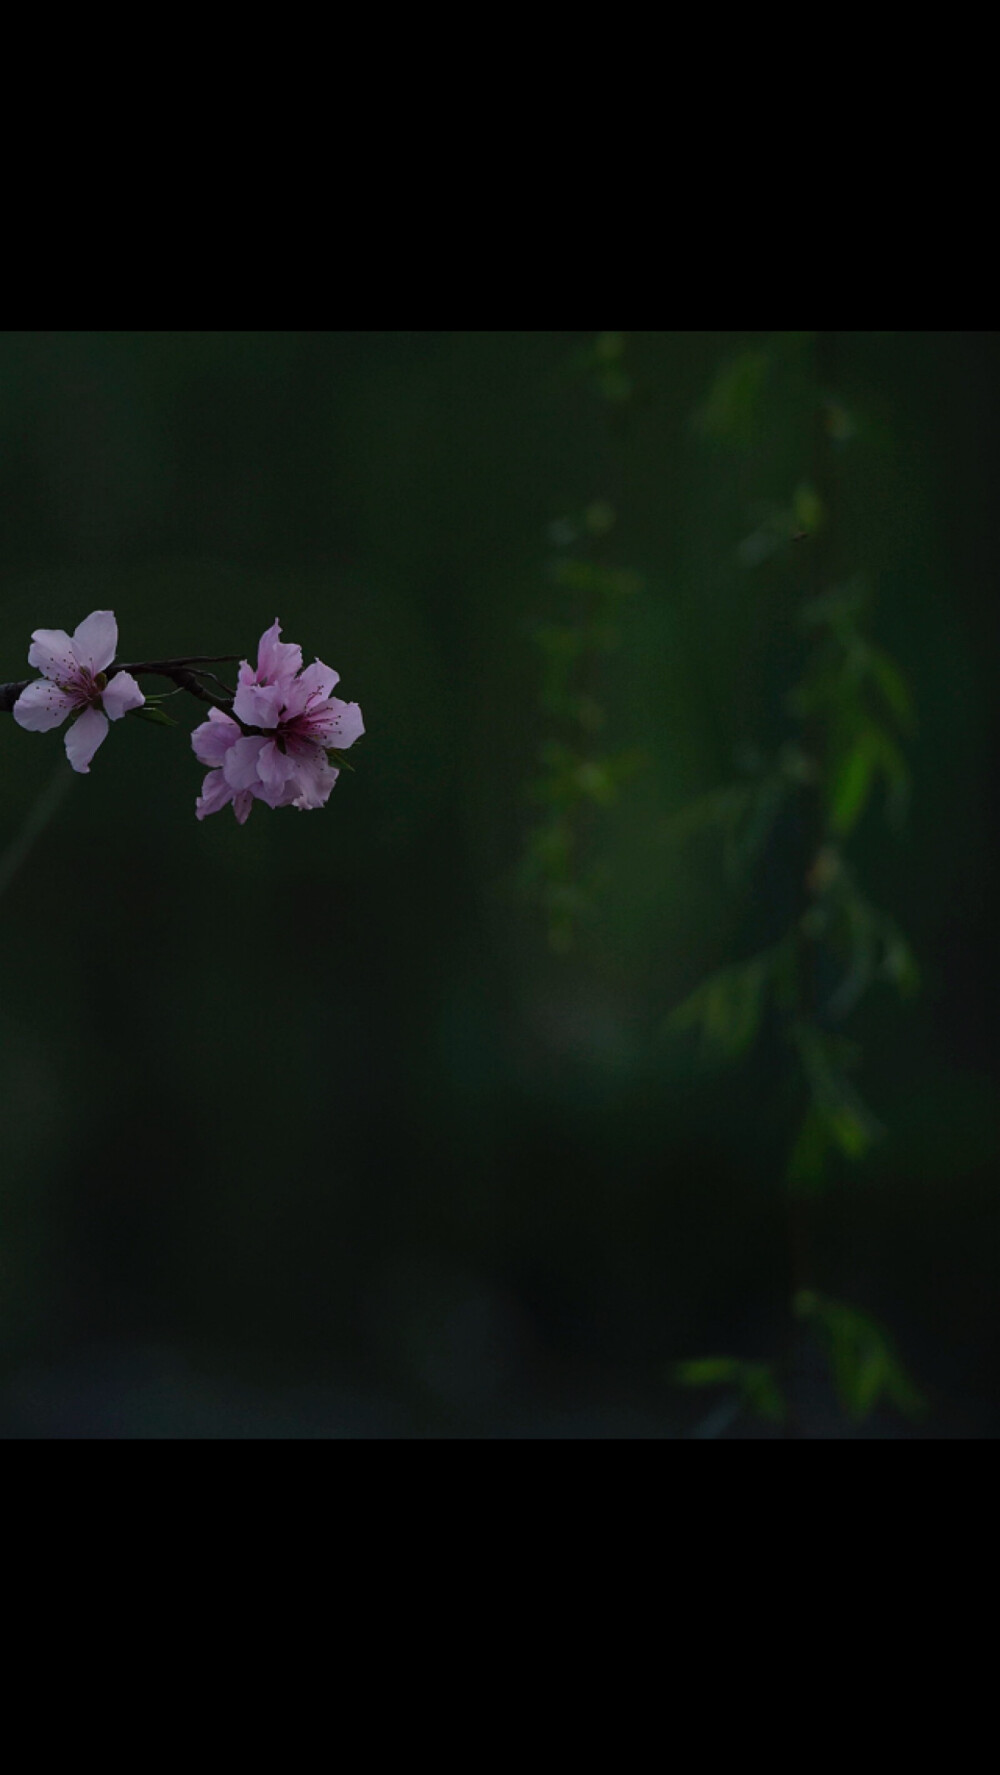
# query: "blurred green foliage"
{"points": [[864, 1363], [575, 776], [852, 706]]}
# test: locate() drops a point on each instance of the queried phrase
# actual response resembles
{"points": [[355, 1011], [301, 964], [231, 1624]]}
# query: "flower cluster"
{"points": [[276, 746], [74, 682], [286, 764]]}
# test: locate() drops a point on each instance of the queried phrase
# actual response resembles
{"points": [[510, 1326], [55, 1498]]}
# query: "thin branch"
{"points": [[201, 673], [179, 671], [167, 667]]}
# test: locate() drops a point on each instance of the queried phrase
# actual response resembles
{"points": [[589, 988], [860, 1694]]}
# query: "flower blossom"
{"points": [[75, 682], [285, 765]]}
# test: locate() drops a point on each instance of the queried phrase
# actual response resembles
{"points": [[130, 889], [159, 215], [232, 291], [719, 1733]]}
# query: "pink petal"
{"points": [[277, 661], [52, 652], [293, 698], [212, 740], [215, 794], [120, 694], [274, 767], [311, 686], [320, 677], [95, 641], [42, 706], [312, 781], [242, 803], [84, 737], [344, 726], [240, 763], [258, 705]]}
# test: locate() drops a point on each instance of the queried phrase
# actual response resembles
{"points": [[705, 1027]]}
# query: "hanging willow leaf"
{"points": [[594, 580], [899, 963], [851, 784], [832, 609], [863, 1360], [718, 809], [730, 410], [848, 1122], [743, 814], [755, 1382], [727, 1007], [808, 509]]}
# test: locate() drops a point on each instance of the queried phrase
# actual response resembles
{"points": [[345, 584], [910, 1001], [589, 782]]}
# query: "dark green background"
{"points": [[303, 1129]]}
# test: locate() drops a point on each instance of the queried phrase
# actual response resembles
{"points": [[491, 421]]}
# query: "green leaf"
{"points": [[587, 577], [808, 509], [609, 347], [147, 713], [726, 1007], [848, 1122], [707, 1371], [899, 964], [730, 410], [863, 1360], [763, 1393], [837, 609], [850, 1129], [852, 783], [903, 1392], [754, 1380], [743, 814], [719, 808], [596, 781]]}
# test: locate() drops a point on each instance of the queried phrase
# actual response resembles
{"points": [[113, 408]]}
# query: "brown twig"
{"points": [[179, 671]]}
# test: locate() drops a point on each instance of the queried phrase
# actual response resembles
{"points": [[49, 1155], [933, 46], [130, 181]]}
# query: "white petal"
{"points": [[121, 694], [215, 794], [274, 768], [42, 705], [53, 653], [319, 677], [84, 737], [211, 741], [259, 705], [96, 639], [240, 763], [346, 725]]}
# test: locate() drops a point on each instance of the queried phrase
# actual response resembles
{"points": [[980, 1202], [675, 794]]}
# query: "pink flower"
{"points": [[287, 764], [74, 682]]}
